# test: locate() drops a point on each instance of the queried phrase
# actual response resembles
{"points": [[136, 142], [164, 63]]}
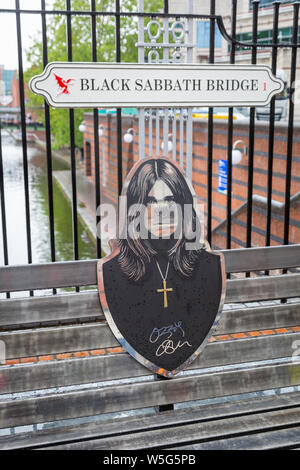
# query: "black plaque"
{"points": [[162, 288]]}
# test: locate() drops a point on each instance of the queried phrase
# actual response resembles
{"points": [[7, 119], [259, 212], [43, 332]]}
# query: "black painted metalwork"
{"points": [[217, 18], [96, 132], [24, 135], [230, 132], [210, 127], [3, 208], [72, 143], [215, 21], [290, 128], [48, 144], [119, 111], [255, 5], [272, 129], [48, 141]]}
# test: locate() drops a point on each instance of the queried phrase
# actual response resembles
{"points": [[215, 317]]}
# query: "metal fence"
{"points": [[173, 42]]}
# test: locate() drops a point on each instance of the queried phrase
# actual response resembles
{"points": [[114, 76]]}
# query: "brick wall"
{"points": [[108, 142], [15, 92]]}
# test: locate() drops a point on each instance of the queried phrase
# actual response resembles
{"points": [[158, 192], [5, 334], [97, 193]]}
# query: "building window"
{"points": [[203, 31], [284, 35], [7, 77], [268, 3]]}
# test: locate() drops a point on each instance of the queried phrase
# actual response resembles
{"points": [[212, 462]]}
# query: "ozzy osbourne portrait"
{"points": [[162, 288]]}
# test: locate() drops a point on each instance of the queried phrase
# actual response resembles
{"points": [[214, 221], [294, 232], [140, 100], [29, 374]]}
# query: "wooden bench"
{"points": [[65, 367]]}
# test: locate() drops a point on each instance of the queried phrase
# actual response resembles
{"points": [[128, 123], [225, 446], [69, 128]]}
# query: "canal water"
{"points": [[39, 213]]}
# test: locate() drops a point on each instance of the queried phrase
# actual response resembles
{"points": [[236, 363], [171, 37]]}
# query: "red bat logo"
{"points": [[63, 84]]}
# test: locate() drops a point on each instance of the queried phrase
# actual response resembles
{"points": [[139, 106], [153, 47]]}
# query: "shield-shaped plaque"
{"points": [[162, 288]]}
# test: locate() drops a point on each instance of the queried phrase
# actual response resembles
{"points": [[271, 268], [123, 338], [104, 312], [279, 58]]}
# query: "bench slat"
{"points": [[48, 275], [63, 339], [191, 432], [44, 341], [154, 421], [81, 273], [147, 392], [262, 288], [93, 401], [262, 258], [237, 290], [264, 317], [53, 340], [279, 439], [35, 376], [86, 306], [61, 307]]}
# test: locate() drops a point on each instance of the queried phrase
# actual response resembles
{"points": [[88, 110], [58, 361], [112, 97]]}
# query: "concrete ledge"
{"points": [[63, 178]]}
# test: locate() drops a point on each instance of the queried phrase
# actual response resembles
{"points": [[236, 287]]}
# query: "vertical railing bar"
{"points": [[72, 145], [189, 144], [210, 127], [251, 134], [230, 134], [156, 110], [166, 60], [174, 131], [103, 164], [157, 131], [24, 137], [141, 60], [271, 129], [189, 123], [150, 134], [141, 133], [119, 111], [165, 131], [289, 155], [48, 142], [165, 140], [251, 131], [96, 132], [3, 208], [181, 137]]}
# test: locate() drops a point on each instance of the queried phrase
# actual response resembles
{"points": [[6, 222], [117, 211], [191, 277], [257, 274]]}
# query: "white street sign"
{"points": [[104, 85], [5, 99]]}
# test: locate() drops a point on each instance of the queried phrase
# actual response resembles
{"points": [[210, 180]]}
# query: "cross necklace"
{"points": [[164, 290]]}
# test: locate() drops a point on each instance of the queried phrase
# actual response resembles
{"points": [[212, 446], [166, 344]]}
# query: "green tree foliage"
{"points": [[82, 51]]}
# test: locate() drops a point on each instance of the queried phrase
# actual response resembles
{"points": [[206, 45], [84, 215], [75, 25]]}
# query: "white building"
{"points": [[243, 33]]}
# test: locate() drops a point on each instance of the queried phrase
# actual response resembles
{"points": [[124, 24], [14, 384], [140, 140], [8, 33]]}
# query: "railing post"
{"points": [[271, 128], [251, 132], [141, 59], [72, 143], [96, 135], [210, 127]]}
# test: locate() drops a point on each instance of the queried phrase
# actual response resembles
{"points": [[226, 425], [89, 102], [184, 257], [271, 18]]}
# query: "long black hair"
{"points": [[136, 253]]}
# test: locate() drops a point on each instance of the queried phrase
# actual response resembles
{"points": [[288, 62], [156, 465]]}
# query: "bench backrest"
{"points": [[63, 341]]}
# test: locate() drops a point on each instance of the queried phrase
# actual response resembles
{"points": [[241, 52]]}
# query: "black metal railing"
{"points": [[216, 21]]}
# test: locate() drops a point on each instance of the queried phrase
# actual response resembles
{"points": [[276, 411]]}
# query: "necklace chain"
{"points": [[164, 278]]}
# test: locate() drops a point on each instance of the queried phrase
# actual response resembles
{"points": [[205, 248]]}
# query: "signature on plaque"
{"points": [[169, 345]]}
